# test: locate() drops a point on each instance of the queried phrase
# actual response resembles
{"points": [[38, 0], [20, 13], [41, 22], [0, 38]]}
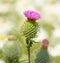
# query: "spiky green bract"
{"points": [[30, 29], [42, 56], [11, 52]]}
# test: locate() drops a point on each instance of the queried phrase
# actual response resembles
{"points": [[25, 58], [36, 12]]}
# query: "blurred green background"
{"points": [[11, 19]]}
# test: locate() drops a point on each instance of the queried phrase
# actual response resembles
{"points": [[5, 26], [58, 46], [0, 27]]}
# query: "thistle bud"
{"points": [[31, 26]]}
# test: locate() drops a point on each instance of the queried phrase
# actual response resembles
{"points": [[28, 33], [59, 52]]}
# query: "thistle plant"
{"points": [[11, 51], [30, 28], [43, 55]]}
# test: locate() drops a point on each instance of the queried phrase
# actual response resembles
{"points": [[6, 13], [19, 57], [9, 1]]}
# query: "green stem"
{"points": [[29, 54], [29, 44]]}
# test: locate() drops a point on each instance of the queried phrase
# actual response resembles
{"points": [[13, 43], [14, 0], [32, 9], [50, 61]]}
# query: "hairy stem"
{"points": [[28, 54]]}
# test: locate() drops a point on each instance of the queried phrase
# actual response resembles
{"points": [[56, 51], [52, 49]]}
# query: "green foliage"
{"points": [[0, 53], [57, 59], [8, 1]]}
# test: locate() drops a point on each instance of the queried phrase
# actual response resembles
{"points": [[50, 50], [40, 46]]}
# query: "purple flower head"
{"points": [[32, 15]]}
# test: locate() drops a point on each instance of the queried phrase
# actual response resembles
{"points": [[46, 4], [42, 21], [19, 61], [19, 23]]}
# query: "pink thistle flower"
{"points": [[32, 15], [45, 43]]}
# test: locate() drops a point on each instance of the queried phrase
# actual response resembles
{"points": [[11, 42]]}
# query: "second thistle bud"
{"points": [[43, 55], [11, 50]]}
